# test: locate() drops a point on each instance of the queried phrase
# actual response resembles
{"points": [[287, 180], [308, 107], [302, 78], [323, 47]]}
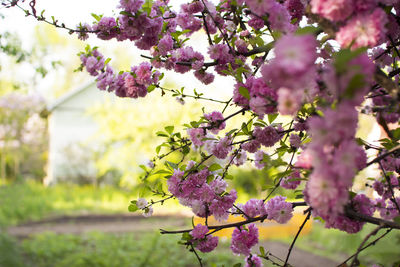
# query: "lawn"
{"points": [[31, 201]]}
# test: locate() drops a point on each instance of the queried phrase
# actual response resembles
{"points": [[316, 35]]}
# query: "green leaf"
{"points": [[126, 13], [301, 196], [229, 177], [132, 208], [308, 30], [162, 172], [344, 56], [96, 17], [396, 134], [262, 251], [214, 167], [397, 219], [244, 128], [272, 117], [171, 164], [186, 236], [151, 88], [356, 82], [160, 133], [169, 129], [244, 92], [237, 265]]}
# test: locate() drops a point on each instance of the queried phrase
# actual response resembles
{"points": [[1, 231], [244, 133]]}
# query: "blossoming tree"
{"points": [[321, 62]]}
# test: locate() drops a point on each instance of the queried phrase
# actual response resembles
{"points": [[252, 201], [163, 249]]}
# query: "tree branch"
{"points": [[230, 225], [297, 235], [373, 220]]}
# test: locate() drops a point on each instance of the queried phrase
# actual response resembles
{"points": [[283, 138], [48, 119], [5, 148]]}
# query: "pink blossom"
{"points": [[215, 119], [280, 19], [251, 146], [165, 44], [253, 261], [131, 5], [296, 53], [141, 203], [208, 244], [256, 22], [279, 210], [335, 10], [365, 30], [293, 65], [289, 101], [292, 181], [199, 231], [222, 148], [254, 207], [258, 161], [295, 8], [267, 136], [324, 195], [259, 7], [204, 77], [244, 239], [218, 185], [240, 158], [259, 105], [196, 135], [148, 212], [295, 140], [106, 27], [220, 206]]}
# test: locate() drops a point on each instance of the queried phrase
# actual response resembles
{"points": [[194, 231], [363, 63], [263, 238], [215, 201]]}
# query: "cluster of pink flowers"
{"points": [[202, 241], [267, 136], [253, 261], [391, 115], [126, 84], [365, 20], [335, 158], [292, 71], [243, 239], [133, 25], [216, 121], [277, 209], [292, 181], [204, 198], [262, 98], [333, 154], [280, 15]]}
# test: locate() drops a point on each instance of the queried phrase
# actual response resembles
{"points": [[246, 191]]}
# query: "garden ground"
{"points": [[122, 224]]}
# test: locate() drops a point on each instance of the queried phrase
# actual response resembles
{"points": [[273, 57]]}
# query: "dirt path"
{"points": [[132, 223]]}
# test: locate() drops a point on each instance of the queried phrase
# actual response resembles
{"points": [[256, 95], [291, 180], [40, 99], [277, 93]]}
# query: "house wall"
{"points": [[70, 125]]}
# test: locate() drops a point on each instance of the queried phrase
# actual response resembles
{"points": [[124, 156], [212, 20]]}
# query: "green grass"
{"points": [[20, 202], [337, 245], [108, 250]]}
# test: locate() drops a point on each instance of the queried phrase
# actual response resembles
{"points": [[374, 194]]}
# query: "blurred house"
{"points": [[70, 128]]}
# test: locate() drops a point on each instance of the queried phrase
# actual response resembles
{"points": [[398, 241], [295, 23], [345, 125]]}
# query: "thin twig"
{"points": [[367, 246], [280, 180], [297, 235], [384, 155], [393, 198], [197, 255], [374, 232], [192, 96]]}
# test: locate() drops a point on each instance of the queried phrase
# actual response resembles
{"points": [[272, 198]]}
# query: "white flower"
{"points": [[141, 203], [148, 212]]}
